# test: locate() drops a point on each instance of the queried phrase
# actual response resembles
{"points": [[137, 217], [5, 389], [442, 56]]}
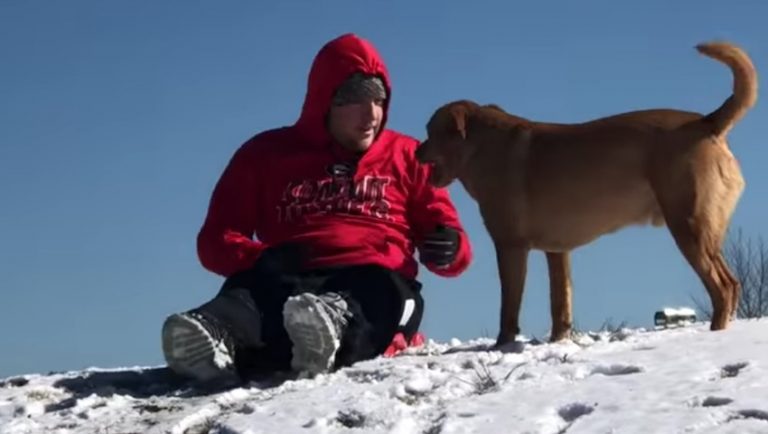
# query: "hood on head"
{"points": [[337, 60]]}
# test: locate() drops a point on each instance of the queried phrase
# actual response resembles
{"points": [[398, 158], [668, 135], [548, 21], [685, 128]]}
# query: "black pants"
{"points": [[250, 306]]}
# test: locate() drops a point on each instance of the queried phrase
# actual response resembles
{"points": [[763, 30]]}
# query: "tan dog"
{"points": [[555, 187]]}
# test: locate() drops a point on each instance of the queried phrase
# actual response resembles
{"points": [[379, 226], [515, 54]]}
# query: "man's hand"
{"points": [[440, 247]]}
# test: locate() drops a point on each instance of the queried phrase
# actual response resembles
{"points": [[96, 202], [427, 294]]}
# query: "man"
{"points": [[338, 205]]}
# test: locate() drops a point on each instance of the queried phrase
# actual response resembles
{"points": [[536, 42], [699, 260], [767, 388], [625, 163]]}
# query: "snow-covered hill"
{"points": [[685, 380]]}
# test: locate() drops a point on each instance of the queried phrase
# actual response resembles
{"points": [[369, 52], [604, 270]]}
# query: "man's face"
{"points": [[355, 125]]}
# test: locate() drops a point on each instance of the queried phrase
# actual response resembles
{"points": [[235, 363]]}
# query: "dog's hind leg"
{"points": [[512, 264], [698, 193], [735, 285], [698, 225], [703, 253], [560, 291]]}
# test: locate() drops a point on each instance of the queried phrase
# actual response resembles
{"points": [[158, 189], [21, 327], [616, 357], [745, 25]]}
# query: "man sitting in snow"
{"points": [[338, 205]]}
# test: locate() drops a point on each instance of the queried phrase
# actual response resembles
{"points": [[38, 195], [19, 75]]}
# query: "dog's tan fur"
{"points": [[555, 187]]}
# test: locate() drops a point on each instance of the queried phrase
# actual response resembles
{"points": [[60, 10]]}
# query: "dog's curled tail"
{"points": [[744, 85]]}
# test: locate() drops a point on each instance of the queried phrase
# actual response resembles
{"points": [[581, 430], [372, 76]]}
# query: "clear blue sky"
{"points": [[116, 119]]}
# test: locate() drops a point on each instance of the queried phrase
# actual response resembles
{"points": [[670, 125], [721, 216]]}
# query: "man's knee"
{"points": [[389, 299], [411, 303]]}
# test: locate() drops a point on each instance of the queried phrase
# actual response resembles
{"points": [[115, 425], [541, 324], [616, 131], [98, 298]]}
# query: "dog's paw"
{"points": [[510, 347], [560, 336], [505, 338]]}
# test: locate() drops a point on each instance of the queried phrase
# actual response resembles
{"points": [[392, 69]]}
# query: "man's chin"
{"points": [[358, 145]]}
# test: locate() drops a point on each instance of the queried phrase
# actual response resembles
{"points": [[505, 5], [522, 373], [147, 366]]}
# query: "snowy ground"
{"points": [[685, 380]]}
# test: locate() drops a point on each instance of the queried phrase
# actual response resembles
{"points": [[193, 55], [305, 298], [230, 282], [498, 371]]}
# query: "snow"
{"points": [[679, 380]]}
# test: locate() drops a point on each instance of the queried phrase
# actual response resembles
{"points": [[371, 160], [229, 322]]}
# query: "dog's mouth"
{"points": [[438, 176]]}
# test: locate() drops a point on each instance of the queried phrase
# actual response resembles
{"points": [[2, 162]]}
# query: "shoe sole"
{"points": [[310, 326], [190, 351]]}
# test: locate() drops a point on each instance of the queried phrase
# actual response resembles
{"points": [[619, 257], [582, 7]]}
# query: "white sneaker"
{"points": [[315, 324], [196, 347]]}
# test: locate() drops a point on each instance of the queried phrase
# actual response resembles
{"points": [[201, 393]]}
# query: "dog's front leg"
{"points": [[512, 264], [560, 290]]}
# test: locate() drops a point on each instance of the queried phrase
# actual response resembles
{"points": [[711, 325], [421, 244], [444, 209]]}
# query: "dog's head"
{"points": [[447, 146]]}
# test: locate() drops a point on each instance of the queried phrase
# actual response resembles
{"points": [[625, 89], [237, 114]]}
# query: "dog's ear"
{"points": [[460, 115]]}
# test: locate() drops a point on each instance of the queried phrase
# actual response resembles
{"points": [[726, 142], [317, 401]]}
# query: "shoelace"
{"points": [[337, 307]]}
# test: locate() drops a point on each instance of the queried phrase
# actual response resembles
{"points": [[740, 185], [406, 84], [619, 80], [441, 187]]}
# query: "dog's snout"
{"points": [[420, 152]]}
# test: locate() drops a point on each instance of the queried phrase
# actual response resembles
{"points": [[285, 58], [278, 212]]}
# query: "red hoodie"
{"points": [[282, 186]]}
